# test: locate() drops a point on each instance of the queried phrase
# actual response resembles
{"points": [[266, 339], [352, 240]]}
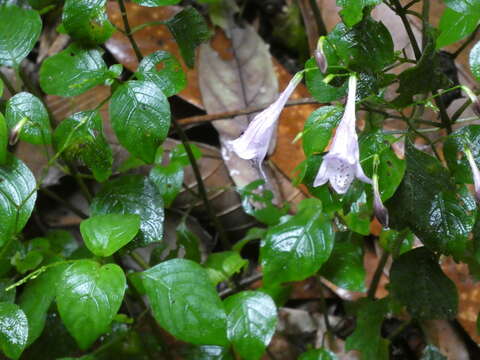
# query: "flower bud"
{"points": [[320, 57], [15, 133], [380, 211]]}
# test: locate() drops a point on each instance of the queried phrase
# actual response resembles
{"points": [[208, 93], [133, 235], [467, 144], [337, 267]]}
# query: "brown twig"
{"points": [[231, 114]]}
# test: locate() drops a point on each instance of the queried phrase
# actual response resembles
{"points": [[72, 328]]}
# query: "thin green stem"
{"points": [[65, 203], [147, 24], [401, 12], [128, 31], [201, 186], [139, 260], [471, 38], [425, 22]]}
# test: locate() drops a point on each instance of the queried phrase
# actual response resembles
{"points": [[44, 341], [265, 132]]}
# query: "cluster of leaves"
{"points": [[87, 283]]}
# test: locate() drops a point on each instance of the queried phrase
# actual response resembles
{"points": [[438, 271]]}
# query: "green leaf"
{"points": [[104, 235], [352, 10], [428, 75], [367, 335], [455, 25], [140, 117], [62, 242], [432, 353], [222, 265], [367, 47], [318, 354], [390, 169], [87, 21], [168, 180], [81, 137], [17, 197], [189, 29], [185, 303], [133, 194], [6, 296], [467, 136], [3, 138], [428, 203], [419, 283], [27, 262], [36, 299], [189, 242], [29, 109], [474, 60], [357, 208], [251, 322], [296, 248], [319, 127], [20, 29], [88, 298], [13, 330], [73, 71], [41, 4], [153, 3], [345, 268], [321, 91], [170, 77], [388, 240], [208, 352]]}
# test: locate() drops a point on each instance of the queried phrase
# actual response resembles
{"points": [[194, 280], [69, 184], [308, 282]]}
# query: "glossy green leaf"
{"points": [[319, 127], [251, 322], [133, 194], [41, 4], [170, 77], [455, 145], [321, 91], [29, 109], [17, 197], [367, 335], [140, 116], [388, 240], [428, 203], [6, 296], [88, 298], [474, 60], [81, 138], [357, 209], [390, 169], [26, 262], [367, 47], [419, 283], [73, 71], [352, 10], [432, 353], [20, 29], [455, 25], [318, 354], [185, 303], [153, 3], [168, 180], [36, 299], [1, 87], [87, 21], [345, 267], [62, 242], [190, 30], [296, 248], [3, 138], [13, 330], [106, 234], [223, 265], [208, 352]]}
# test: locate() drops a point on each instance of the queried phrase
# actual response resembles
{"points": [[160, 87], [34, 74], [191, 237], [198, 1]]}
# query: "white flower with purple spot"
{"points": [[342, 163], [255, 141]]}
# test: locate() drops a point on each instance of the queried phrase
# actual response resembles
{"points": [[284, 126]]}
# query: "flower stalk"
{"points": [[475, 172]]}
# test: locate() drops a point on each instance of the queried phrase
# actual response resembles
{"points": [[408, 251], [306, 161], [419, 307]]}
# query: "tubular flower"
{"points": [[320, 57], [475, 173], [342, 163], [474, 98], [255, 141], [380, 211]]}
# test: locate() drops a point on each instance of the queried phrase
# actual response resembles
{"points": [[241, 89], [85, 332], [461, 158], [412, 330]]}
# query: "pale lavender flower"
{"points": [[320, 57], [342, 163], [475, 173], [380, 211], [255, 141]]}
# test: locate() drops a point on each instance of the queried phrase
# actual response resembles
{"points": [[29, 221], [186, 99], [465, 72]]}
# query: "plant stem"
{"points": [[466, 43], [7, 83], [381, 264], [139, 260], [242, 283], [401, 12], [128, 31], [231, 114], [65, 203], [201, 186]]}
